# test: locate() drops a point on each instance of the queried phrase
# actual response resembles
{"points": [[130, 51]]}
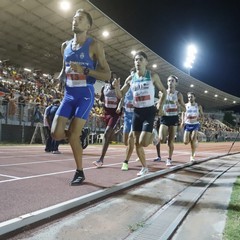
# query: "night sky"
{"points": [[168, 26]]}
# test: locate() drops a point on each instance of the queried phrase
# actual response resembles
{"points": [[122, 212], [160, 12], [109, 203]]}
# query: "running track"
{"points": [[31, 179]]}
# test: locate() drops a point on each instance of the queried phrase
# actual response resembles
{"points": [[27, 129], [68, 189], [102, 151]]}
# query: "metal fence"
{"points": [[19, 123]]}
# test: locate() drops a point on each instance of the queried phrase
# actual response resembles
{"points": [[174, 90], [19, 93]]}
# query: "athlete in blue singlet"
{"points": [[83, 61]]}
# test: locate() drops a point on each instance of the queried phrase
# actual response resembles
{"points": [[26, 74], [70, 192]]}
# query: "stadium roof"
{"points": [[32, 32]]}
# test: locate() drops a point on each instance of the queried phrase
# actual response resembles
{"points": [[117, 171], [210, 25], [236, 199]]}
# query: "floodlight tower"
{"points": [[191, 55]]}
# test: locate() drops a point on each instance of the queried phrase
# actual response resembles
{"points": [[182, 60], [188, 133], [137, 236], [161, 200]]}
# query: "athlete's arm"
{"points": [[120, 104], [101, 98], [201, 114], [158, 83], [102, 71], [181, 102], [62, 75], [120, 93], [183, 117]]}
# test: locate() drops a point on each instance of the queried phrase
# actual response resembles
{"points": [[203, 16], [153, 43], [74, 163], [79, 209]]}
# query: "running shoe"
{"points": [[78, 178], [192, 159], [98, 163], [124, 167], [56, 152], [168, 162], [137, 160], [156, 139], [143, 171], [158, 159], [84, 137]]}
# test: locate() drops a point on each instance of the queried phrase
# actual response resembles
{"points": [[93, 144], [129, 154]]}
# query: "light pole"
{"points": [[191, 55]]}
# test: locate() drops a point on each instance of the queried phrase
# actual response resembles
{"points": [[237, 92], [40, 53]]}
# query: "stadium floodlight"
{"points": [[65, 5], [191, 55]]}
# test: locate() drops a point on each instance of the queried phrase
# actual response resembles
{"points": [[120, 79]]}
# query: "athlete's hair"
{"points": [[56, 101], [143, 54], [174, 77], [191, 93], [133, 70], [113, 73], [89, 17]]}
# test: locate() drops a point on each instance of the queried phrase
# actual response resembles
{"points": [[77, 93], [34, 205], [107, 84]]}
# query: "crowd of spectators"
{"points": [[216, 131], [25, 95]]}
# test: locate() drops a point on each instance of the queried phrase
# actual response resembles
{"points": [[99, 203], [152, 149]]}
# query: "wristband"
{"points": [[86, 71]]}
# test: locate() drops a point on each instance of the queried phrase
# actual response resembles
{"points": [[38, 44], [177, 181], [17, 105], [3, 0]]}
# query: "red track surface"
{"points": [[31, 179]]}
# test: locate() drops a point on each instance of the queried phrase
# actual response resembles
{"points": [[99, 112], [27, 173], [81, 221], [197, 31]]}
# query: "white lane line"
{"points": [[36, 176], [9, 176], [52, 161], [23, 156], [43, 161], [63, 172], [54, 173], [49, 154]]}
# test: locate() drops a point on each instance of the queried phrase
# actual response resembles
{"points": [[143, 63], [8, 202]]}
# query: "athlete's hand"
{"points": [[160, 112], [116, 83], [118, 110], [76, 67], [60, 87]]}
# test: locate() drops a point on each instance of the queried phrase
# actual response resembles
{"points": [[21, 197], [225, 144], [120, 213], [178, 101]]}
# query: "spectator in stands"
{"points": [[6, 99], [12, 106], [190, 121], [216, 135], [173, 104], [37, 115], [111, 116], [21, 105], [79, 74]]}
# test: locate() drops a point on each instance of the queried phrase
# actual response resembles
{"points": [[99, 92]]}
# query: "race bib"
{"points": [[75, 79], [111, 102]]}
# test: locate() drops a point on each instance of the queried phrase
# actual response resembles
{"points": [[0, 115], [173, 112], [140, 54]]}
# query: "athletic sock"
{"points": [[80, 171]]}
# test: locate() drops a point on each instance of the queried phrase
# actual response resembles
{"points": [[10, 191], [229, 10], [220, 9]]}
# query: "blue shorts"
{"points": [[77, 102], [127, 122], [191, 127]]}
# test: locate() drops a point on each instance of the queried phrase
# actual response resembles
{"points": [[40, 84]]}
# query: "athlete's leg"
{"points": [[129, 150], [171, 137], [58, 127], [186, 137], [194, 142], [75, 131], [125, 138], [163, 133], [130, 146], [145, 138], [106, 140], [139, 148]]}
